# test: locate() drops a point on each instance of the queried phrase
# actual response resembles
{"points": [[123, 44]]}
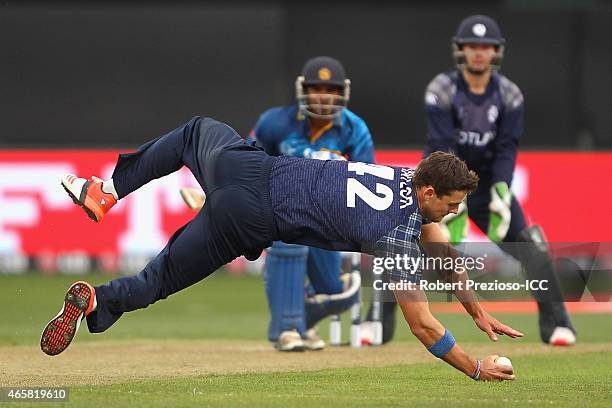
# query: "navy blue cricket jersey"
{"points": [[346, 206], [483, 130]]}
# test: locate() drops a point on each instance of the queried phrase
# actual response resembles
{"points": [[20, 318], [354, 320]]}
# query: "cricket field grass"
{"points": [[206, 346]]}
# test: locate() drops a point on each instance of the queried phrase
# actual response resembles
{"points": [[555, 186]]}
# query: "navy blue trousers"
{"points": [[236, 219]]}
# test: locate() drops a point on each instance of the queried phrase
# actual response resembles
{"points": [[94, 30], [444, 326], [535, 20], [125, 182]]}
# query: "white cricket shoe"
{"points": [[88, 194], [313, 340], [562, 336], [290, 340]]}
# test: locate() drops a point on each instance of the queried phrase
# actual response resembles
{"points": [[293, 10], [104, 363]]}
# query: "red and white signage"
{"points": [[568, 194], [36, 215]]}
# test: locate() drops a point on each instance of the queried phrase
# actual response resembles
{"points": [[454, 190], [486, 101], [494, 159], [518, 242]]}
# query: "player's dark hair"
{"points": [[445, 172]]}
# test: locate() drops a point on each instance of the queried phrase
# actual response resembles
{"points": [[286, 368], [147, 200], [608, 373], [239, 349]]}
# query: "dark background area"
{"points": [[110, 74]]}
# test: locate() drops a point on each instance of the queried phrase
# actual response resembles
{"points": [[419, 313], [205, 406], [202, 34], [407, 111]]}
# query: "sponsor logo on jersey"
{"points": [[492, 114], [405, 185], [475, 138]]}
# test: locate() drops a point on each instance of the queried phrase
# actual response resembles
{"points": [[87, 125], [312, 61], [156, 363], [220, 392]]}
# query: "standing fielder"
{"points": [[477, 113], [319, 126], [254, 199]]}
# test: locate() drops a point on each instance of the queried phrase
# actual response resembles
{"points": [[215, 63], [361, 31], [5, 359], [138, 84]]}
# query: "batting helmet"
{"points": [[478, 29], [322, 71]]}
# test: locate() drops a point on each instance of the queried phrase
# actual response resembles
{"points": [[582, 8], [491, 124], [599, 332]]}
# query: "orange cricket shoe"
{"points": [[88, 194], [59, 332]]}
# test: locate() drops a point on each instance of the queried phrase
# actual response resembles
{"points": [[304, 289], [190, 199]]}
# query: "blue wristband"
{"points": [[441, 347]]}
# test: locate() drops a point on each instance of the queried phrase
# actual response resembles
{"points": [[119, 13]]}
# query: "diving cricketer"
{"points": [[254, 199]]}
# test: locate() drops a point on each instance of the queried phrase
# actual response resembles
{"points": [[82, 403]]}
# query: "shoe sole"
{"points": [[561, 343], [290, 347], [316, 347], [293, 349], [75, 200], [60, 331]]}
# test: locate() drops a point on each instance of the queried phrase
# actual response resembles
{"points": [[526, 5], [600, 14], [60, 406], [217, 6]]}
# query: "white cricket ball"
{"points": [[503, 361]]}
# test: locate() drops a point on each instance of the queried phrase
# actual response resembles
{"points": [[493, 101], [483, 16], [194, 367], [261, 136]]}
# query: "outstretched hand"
{"points": [[492, 326], [491, 371]]}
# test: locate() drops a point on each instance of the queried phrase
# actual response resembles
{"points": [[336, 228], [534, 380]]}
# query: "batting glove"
{"points": [[322, 155], [499, 219]]}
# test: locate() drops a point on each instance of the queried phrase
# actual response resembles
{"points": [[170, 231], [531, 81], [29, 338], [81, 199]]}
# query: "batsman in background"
{"points": [[316, 125], [319, 126], [477, 113]]}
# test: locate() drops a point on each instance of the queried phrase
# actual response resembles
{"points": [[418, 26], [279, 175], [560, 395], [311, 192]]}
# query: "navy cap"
{"points": [[323, 71], [478, 29]]}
